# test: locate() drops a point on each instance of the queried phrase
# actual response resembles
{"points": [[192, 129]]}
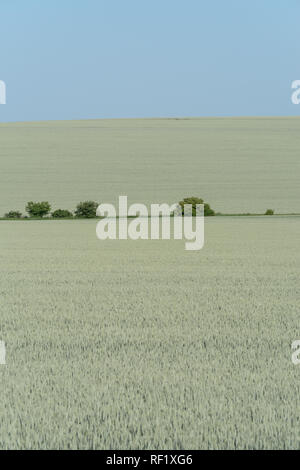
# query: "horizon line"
{"points": [[166, 118]]}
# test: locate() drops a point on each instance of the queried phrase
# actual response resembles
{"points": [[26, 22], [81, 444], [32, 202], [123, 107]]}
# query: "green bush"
{"points": [[269, 212], [61, 214], [196, 200], [38, 209], [86, 209], [13, 215]]}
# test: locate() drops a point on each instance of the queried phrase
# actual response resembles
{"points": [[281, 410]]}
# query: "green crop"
{"points": [[143, 345], [238, 165]]}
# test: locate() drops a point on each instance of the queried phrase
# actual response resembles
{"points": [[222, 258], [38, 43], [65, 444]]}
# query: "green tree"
{"points": [[61, 214], [194, 201], [38, 209], [86, 209], [13, 215], [269, 212]]}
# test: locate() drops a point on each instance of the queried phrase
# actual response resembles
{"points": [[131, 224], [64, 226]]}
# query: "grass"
{"points": [[238, 165], [143, 345]]}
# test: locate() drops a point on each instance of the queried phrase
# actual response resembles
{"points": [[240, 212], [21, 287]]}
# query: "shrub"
{"points": [[61, 214], [196, 200], [13, 215], [86, 209], [269, 212], [38, 209]]}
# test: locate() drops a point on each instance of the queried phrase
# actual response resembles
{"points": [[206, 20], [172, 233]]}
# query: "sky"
{"points": [[90, 59]]}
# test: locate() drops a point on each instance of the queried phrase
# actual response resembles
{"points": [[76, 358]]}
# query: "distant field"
{"points": [[140, 344], [236, 164]]}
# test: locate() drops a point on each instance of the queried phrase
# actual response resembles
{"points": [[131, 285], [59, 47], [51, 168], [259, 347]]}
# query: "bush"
{"points": [[269, 212], [13, 215], [196, 200], [38, 209], [86, 209], [61, 214]]}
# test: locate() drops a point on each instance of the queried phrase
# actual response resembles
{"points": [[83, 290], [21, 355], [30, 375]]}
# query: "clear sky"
{"points": [[73, 59]]}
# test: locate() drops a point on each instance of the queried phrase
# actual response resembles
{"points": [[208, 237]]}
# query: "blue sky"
{"points": [[73, 59]]}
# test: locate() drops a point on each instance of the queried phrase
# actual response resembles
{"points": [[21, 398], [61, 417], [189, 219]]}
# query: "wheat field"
{"points": [[236, 164], [143, 345]]}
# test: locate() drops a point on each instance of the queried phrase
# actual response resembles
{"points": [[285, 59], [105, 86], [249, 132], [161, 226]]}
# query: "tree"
{"points": [[269, 212], [196, 200], [13, 215], [38, 209], [86, 209], [61, 214]]}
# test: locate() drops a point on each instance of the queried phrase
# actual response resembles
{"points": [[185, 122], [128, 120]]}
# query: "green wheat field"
{"points": [[237, 165], [141, 344]]}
